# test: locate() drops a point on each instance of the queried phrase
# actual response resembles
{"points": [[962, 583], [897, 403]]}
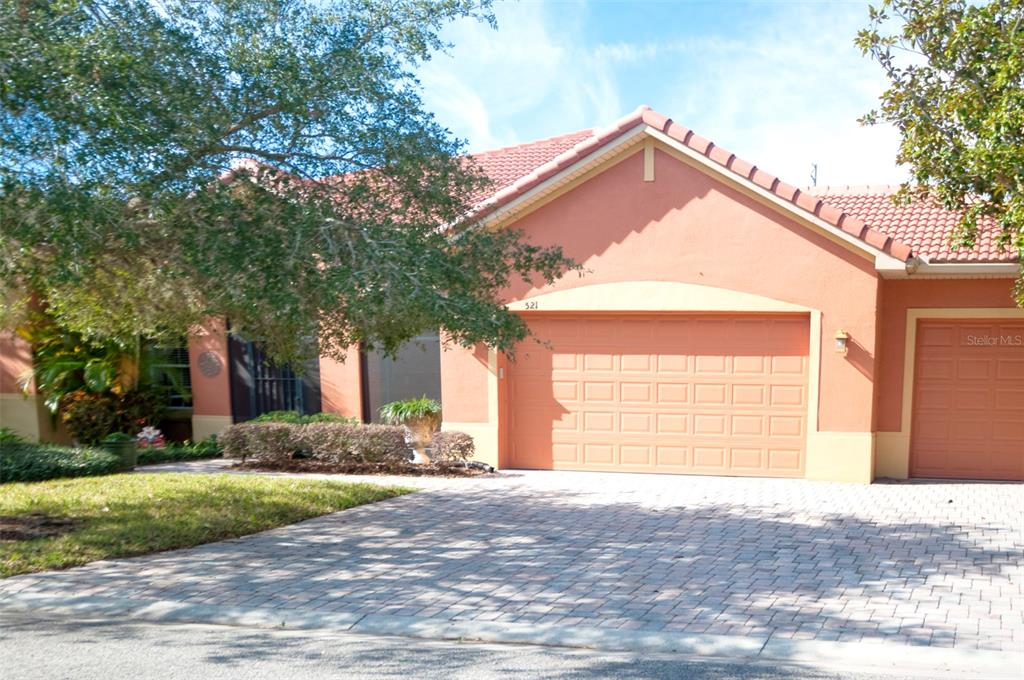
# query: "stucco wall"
{"points": [[690, 228], [900, 295], [211, 394], [340, 385], [20, 412]]}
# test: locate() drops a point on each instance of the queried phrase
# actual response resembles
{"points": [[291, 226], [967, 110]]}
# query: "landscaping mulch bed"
{"points": [[34, 525], [404, 469]]}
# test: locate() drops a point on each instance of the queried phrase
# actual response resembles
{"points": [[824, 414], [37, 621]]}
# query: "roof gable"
{"points": [[870, 221]]}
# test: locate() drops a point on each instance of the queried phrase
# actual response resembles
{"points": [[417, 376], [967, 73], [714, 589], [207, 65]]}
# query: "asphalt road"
{"points": [[33, 647]]}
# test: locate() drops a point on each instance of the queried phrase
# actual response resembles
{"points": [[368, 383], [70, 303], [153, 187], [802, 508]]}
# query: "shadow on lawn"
{"points": [[531, 558]]}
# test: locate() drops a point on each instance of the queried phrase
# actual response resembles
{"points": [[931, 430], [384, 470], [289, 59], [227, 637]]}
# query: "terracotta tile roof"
{"points": [[506, 165], [558, 153], [924, 227]]}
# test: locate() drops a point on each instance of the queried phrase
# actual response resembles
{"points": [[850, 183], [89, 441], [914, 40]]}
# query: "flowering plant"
{"points": [[150, 437]]}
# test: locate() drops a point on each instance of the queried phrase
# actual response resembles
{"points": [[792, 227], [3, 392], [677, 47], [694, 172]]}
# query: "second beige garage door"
{"points": [[723, 395], [968, 410]]}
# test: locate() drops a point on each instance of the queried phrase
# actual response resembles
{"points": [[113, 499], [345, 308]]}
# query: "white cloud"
{"points": [[782, 90]]}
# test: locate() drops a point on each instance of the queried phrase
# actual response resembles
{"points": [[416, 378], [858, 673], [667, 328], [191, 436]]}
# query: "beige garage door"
{"points": [[968, 404], [722, 395]]}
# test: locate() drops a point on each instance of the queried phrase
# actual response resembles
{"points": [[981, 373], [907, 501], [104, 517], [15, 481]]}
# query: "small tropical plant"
{"points": [[421, 416], [91, 416], [401, 412], [65, 362], [9, 436]]}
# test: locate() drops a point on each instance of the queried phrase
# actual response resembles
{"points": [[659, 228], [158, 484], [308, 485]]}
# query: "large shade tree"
{"points": [[956, 94], [267, 161]]}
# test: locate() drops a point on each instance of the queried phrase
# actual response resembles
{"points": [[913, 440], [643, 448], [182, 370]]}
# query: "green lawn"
{"points": [[123, 515]]}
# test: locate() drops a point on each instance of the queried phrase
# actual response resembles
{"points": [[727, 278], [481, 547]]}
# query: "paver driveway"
{"points": [[919, 563]]}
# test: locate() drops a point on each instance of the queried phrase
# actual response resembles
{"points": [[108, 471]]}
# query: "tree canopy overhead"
{"points": [[124, 204], [956, 94]]}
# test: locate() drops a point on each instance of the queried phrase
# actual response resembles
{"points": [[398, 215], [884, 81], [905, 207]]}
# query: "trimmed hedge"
{"points": [[336, 443], [451, 448], [24, 462]]}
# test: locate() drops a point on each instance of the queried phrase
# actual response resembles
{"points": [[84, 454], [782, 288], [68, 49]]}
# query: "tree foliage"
{"points": [[268, 161], [956, 94]]}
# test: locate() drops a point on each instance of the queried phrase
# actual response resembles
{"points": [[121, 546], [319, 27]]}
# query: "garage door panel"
{"points": [[786, 395], [594, 391], [939, 369], [1010, 369], [968, 400], [749, 395], [709, 394], [1009, 400], [786, 426], [747, 460], [634, 454], [686, 394], [710, 365], [792, 365], [785, 460], [1008, 430], [749, 365], [675, 457], [635, 363], [673, 393], [599, 454], [747, 426], [635, 393], [673, 423], [673, 363]]}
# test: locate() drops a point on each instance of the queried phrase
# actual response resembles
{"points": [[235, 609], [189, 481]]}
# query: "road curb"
{"points": [[878, 655]]}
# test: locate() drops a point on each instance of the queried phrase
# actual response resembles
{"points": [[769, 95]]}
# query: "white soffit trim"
{"points": [[922, 269]]}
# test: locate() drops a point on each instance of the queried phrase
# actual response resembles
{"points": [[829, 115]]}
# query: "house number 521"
{"points": [[530, 305]]}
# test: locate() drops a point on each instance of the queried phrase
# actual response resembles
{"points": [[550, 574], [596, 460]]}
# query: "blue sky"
{"points": [[778, 83]]}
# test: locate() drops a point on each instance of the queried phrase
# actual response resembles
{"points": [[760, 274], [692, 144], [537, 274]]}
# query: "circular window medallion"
{"points": [[209, 364]]}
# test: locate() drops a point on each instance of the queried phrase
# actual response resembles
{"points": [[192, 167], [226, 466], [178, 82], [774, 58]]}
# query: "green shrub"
{"points": [[329, 442], [378, 444], [449, 448], [343, 443], [409, 410], [266, 442], [294, 418], [22, 462], [91, 416], [172, 453], [329, 418], [336, 443]]}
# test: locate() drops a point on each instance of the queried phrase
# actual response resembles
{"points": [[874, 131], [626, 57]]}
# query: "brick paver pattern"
{"points": [[917, 563]]}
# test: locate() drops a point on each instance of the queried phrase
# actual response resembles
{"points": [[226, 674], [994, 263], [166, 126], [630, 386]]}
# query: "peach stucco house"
{"points": [[727, 323]]}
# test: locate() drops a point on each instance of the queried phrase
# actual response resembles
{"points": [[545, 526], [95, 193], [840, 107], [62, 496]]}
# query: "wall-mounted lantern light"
{"points": [[841, 341]]}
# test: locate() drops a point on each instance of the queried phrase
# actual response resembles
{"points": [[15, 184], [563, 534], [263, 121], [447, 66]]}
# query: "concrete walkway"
{"points": [[780, 569], [38, 648]]}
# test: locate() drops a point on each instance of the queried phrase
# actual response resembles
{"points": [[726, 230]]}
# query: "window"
{"points": [[413, 372], [170, 370]]}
